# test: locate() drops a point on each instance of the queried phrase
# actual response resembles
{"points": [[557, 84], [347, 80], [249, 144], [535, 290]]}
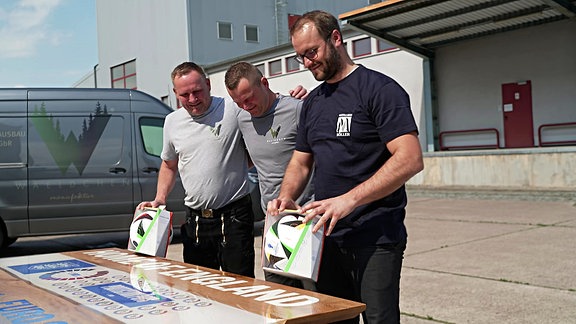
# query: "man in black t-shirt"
{"points": [[358, 132]]}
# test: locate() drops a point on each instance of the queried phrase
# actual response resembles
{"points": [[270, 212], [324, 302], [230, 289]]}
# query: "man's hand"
{"points": [[299, 92], [276, 206], [148, 204], [332, 209]]}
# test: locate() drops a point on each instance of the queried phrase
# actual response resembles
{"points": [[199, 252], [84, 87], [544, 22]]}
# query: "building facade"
{"points": [[140, 41], [465, 96]]}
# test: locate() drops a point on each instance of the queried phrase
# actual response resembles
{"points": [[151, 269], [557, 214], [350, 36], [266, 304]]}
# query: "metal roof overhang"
{"points": [[421, 26]]}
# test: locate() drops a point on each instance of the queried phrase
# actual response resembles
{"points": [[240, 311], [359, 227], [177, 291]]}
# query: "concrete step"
{"points": [[492, 193]]}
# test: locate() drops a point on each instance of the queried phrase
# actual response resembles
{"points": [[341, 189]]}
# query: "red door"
{"points": [[517, 110]]}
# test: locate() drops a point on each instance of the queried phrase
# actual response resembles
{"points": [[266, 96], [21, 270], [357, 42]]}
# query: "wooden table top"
{"points": [[118, 286]]}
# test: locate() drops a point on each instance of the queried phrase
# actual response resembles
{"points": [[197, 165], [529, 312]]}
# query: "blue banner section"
{"points": [[126, 294], [51, 266], [23, 311]]}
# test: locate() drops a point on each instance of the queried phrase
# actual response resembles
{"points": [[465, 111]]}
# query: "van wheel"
{"points": [[5, 240]]}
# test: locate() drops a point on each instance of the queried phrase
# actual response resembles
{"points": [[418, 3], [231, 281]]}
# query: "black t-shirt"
{"points": [[346, 126]]}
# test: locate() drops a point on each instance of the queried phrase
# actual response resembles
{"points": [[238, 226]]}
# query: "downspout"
{"points": [[95, 76], [281, 16]]}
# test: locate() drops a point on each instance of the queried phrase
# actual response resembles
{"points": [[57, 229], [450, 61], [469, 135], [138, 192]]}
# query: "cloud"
{"points": [[23, 27]]}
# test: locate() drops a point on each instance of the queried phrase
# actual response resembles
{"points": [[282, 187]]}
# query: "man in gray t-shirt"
{"points": [[269, 123]]}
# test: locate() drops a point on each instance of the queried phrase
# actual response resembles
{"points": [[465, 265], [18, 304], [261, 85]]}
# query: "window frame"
{"points": [[222, 23], [124, 76], [246, 34], [361, 54], [380, 49], [292, 60], [270, 70]]}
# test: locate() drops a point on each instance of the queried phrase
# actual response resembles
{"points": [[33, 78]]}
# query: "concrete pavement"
{"points": [[485, 261]]}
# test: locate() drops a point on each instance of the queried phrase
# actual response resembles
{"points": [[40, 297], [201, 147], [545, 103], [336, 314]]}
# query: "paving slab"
{"points": [[497, 211], [449, 298], [540, 256], [426, 235]]}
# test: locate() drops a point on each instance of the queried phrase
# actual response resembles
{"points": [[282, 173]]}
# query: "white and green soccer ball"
{"points": [[139, 227], [281, 240]]}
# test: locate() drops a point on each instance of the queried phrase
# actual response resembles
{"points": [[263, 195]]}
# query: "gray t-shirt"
{"points": [[212, 160], [270, 140]]}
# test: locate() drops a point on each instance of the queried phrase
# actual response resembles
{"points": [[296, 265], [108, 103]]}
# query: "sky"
{"points": [[46, 43]]}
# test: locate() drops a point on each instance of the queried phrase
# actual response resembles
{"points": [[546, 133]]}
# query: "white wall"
{"points": [[469, 76], [152, 32]]}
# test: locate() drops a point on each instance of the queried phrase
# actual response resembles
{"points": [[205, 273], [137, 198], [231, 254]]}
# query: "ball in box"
{"points": [[281, 240], [139, 227]]}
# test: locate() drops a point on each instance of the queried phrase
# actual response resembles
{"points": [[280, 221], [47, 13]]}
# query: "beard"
{"points": [[332, 64]]}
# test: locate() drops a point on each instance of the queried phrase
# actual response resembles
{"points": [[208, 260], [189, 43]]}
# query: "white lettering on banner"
{"points": [[217, 280], [263, 293], [153, 266]]}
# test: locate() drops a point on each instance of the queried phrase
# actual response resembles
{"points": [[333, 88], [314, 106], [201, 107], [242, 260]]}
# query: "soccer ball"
{"points": [[139, 226], [281, 240]]}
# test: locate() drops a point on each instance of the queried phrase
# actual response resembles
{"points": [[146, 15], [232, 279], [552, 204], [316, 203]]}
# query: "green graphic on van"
{"points": [[66, 150]]}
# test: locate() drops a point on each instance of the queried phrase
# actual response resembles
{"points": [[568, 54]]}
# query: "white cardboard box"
{"points": [[290, 248], [151, 231]]}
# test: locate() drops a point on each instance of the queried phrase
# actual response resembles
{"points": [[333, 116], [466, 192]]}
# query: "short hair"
{"points": [[325, 23], [241, 70], [185, 68]]}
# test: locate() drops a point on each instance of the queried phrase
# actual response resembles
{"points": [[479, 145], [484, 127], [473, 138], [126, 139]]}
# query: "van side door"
{"points": [[80, 165]]}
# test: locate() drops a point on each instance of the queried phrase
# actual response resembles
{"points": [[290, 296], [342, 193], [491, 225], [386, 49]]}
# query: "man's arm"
{"points": [[166, 181], [294, 182], [405, 162]]}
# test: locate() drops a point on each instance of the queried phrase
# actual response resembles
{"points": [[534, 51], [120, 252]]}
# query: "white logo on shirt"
{"points": [[343, 125]]}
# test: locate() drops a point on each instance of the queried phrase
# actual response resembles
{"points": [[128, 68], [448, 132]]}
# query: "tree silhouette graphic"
{"points": [[66, 150]]}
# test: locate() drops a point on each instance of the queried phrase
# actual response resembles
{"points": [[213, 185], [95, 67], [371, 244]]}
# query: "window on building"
{"points": [[384, 46], [224, 30], [262, 68], [291, 64], [275, 67], [361, 47], [124, 75], [251, 33]]}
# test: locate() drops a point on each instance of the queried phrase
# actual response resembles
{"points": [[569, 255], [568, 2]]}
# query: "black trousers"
{"points": [[369, 274], [224, 242]]}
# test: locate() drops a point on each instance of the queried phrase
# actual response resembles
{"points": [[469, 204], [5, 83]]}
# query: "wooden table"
{"points": [[119, 286]]}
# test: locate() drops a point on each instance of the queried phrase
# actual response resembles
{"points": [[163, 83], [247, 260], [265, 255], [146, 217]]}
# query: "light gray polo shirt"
{"points": [[212, 159]]}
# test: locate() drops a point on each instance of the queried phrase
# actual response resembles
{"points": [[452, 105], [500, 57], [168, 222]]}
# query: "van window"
{"points": [[151, 131]]}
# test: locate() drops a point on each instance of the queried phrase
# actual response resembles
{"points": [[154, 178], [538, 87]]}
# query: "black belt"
{"points": [[211, 213]]}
